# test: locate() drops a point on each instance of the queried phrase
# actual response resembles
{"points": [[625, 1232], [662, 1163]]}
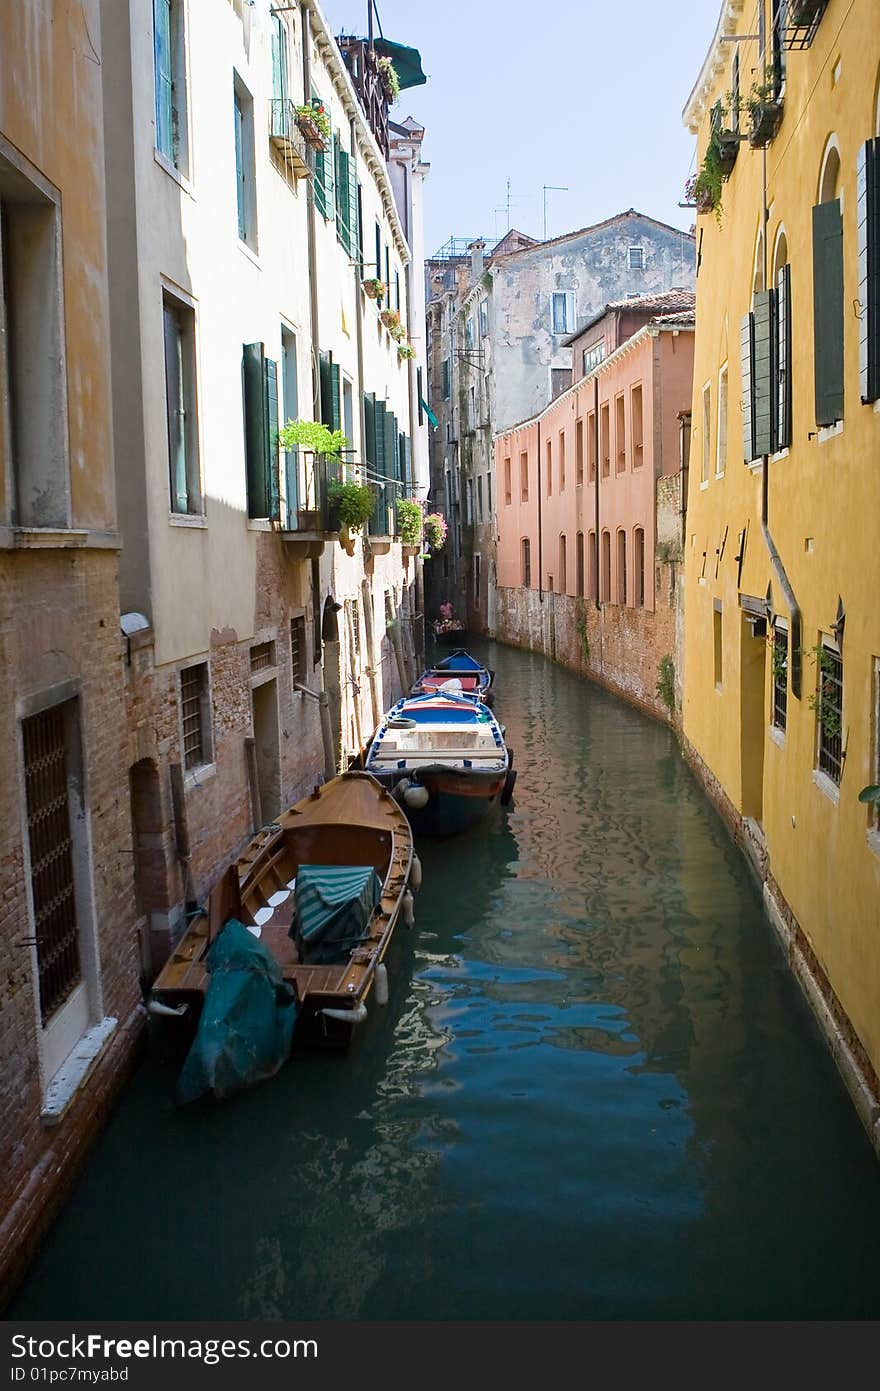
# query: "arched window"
{"points": [[605, 589], [621, 567], [594, 566], [639, 567], [579, 563], [781, 343], [526, 557], [828, 290], [563, 565]]}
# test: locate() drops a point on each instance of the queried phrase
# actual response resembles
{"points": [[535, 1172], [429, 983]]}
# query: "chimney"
{"points": [[476, 248]]}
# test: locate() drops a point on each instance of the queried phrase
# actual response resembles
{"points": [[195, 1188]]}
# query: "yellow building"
{"points": [[782, 621]]}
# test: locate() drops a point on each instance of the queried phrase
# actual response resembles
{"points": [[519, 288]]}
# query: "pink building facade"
{"points": [[590, 504]]}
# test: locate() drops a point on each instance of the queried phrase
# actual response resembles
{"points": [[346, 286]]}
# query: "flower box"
{"points": [[726, 149], [314, 124], [766, 117], [374, 289]]}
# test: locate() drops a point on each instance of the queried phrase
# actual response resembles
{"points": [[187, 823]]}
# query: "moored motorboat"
{"points": [[444, 757], [293, 933], [473, 678]]}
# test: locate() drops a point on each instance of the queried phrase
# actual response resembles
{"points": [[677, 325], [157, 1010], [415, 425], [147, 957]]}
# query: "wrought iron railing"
{"points": [[286, 136], [309, 499], [360, 58]]}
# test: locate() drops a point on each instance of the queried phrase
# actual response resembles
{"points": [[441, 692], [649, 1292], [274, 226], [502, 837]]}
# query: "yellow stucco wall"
{"points": [[823, 505]]}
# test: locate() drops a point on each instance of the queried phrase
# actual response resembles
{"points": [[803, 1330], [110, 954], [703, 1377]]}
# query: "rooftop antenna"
{"points": [[510, 198], [551, 188]]}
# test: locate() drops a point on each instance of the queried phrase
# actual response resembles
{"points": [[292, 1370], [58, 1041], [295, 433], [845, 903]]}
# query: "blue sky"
{"points": [[583, 93]]}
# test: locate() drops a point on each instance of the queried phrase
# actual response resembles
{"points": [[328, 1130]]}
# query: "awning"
{"points": [[428, 412], [407, 62]]}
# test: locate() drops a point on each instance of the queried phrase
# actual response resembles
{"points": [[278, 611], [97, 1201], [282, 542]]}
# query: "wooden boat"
{"points": [[349, 822], [473, 679], [443, 756], [447, 631]]}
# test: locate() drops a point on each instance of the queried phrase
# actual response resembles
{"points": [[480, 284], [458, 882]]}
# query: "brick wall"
{"points": [[59, 622]]}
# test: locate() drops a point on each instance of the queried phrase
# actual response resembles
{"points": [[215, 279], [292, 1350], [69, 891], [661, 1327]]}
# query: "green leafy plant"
{"points": [[314, 112], [409, 521], [822, 700], [778, 657], [374, 288], [704, 187], [764, 108], [354, 503], [391, 319], [313, 436], [666, 681], [434, 528], [405, 350], [389, 79]]}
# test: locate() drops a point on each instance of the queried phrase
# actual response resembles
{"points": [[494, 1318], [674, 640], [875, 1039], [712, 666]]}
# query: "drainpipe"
{"points": [[794, 608], [596, 481], [540, 523], [312, 241], [359, 314]]}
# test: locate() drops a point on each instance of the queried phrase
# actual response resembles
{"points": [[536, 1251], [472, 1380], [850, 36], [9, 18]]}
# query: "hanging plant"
{"points": [[389, 79], [409, 521], [313, 121], [405, 350], [374, 288], [354, 503], [391, 319], [434, 527], [313, 436], [704, 188]]}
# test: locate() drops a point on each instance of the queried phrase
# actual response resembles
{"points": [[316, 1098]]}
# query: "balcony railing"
{"points": [[801, 22], [360, 59], [286, 137], [309, 504]]}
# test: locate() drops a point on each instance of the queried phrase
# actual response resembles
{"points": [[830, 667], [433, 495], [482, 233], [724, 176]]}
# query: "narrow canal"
{"points": [[595, 1092]]}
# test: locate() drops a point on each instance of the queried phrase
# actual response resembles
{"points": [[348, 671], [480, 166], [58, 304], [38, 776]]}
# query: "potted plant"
{"points": [[353, 504], [314, 123], [374, 288], [703, 189], [723, 138], [315, 438], [410, 513], [405, 350], [390, 318], [389, 80], [765, 110], [434, 530]]}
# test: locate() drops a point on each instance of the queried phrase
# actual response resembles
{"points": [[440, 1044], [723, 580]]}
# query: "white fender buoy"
{"points": [[172, 1011], [380, 989], [407, 909], [415, 874], [348, 1016], [416, 796]]}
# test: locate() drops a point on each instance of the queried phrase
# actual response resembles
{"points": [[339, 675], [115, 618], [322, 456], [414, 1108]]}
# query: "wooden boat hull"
{"points": [[457, 801], [351, 820]]}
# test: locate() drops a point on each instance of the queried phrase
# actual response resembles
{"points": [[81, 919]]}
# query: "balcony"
{"points": [[801, 22], [310, 511], [360, 57], [287, 139]]}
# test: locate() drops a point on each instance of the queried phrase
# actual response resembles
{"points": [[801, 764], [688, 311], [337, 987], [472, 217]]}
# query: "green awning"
{"points": [[428, 412], [407, 62]]}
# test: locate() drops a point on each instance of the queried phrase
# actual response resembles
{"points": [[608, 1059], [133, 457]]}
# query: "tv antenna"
{"points": [[551, 188], [511, 198]]}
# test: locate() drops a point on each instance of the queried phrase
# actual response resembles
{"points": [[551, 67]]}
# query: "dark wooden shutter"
{"points": [[253, 375], [828, 311], [370, 426], [868, 219], [273, 490], [762, 393], [335, 408], [379, 417], [782, 355], [747, 334], [324, 376]]}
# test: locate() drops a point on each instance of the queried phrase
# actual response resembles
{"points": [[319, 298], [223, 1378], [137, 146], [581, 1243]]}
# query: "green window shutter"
{"points": [[255, 429], [868, 219], [762, 356], [354, 232], [335, 406], [407, 464], [378, 252], [162, 70], [782, 356], [239, 170], [379, 417], [747, 334], [279, 59], [324, 375], [370, 426], [337, 173], [828, 311], [273, 490], [390, 444]]}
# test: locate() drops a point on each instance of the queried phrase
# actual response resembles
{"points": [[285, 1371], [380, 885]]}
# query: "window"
{"points": [[639, 566], [280, 117], [262, 656], [637, 426], [717, 644], [549, 453], [563, 565], [507, 492], [562, 311], [48, 777], [445, 384], [378, 235], [245, 176], [779, 657], [579, 453], [828, 704], [469, 331], [388, 267], [621, 567], [591, 357], [525, 550], [591, 447], [260, 414], [605, 439], [180, 406], [605, 587], [322, 183], [782, 353], [298, 656], [480, 498], [579, 564], [477, 579], [524, 477], [488, 497], [868, 220], [636, 258], [290, 411], [484, 318], [469, 501], [828, 295], [560, 380], [620, 431], [169, 68], [562, 461], [345, 182], [397, 290], [593, 562], [721, 445], [707, 432], [195, 710]]}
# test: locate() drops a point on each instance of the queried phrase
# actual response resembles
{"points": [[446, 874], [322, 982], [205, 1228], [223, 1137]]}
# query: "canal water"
{"points": [[595, 1092]]}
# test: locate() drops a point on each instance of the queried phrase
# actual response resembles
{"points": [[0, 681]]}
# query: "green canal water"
{"points": [[595, 1092]]}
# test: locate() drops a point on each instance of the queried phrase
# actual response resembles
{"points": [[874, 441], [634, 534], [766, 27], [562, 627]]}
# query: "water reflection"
{"points": [[595, 1092]]}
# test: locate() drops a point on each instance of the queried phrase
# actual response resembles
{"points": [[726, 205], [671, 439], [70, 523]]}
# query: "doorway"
{"points": [[265, 708], [752, 667]]}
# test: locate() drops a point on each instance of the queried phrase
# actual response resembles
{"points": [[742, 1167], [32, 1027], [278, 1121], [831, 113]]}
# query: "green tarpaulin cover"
{"points": [[334, 904], [246, 1027], [428, 412], [407, 62]]}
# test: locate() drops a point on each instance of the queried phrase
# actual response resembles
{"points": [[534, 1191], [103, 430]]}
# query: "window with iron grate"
{"points": [[298, 649], [195, 715], [779, 653], [262, 656], [828, 704]]}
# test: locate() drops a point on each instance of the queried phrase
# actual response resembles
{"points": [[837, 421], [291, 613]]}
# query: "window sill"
{"points": [[779, 456], [829, 432], [259, 524], [72, 1073], [249, 252], [173, 172], [57, 538], [826, 786], [777, 735], [755, 465], [718, 475], [190, 519], [704, 485], [195, 777]]}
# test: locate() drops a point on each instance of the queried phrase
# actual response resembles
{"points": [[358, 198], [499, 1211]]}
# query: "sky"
{"points": [[584, 94]]}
